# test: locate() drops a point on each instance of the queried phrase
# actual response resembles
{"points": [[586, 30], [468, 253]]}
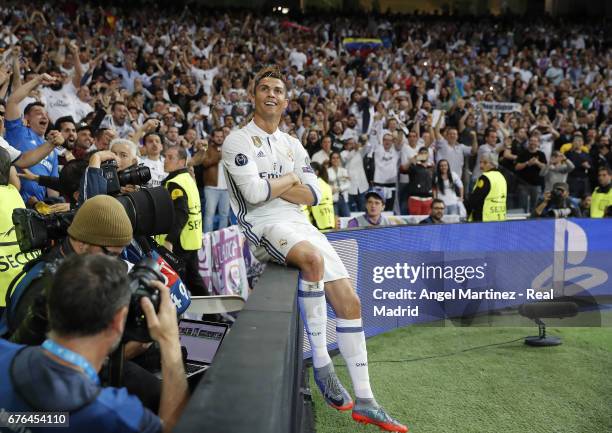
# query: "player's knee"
{"points": [[313, 262]]}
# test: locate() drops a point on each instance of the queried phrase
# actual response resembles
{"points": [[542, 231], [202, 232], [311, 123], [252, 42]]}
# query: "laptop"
{"points": [[201, 340]]}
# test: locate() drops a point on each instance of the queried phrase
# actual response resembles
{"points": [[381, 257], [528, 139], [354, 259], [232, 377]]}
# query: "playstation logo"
{"points": [[565, 275]]}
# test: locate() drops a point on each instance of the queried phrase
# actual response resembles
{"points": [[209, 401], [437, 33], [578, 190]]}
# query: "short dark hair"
{"points": [[5, 166], [271, 71], [490, 130], [31, 105], [117, 103], [86, 293], [149, 134], [437, 200], [64, 119], [605, 168], [70, 176]]}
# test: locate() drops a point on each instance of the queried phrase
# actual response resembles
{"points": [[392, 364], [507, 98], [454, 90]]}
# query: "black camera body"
{"points": [[557, 199], [150, 212], [35, 231], [136, 175], [142, 273]]}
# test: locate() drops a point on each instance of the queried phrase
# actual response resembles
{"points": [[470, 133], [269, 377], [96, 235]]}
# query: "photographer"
{"points": [[100, 226], [93, 182], [123, 158], [88, 306], [556, 203]]}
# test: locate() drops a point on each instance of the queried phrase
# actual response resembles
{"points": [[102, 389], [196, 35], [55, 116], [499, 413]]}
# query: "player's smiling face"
{"points": [[270, 97]]}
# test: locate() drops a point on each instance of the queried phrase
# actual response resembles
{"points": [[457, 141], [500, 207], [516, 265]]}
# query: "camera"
{"points": [[140, 276], [35, 231], [556, 198], [138, 175], [150, 211]]}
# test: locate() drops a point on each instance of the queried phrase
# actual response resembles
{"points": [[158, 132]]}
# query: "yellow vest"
{"points": [[494, 208], [599, 202], [11, 257], [323, 213], [191, 235]]}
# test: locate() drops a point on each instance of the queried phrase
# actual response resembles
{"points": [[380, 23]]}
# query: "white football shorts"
{"points": [[277, 239]]}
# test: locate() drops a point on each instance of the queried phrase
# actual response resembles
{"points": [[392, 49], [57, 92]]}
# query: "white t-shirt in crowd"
{"points": [[406, 154], [385, 165], [298, 59], [60, 103], [14, 154], [157, 170]]}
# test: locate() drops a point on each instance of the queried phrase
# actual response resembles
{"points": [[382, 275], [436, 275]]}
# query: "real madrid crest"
{"points": [[256, 141], [290, 155]]}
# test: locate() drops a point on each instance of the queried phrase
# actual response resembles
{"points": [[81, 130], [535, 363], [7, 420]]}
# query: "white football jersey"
{"points": [[251, 156]]}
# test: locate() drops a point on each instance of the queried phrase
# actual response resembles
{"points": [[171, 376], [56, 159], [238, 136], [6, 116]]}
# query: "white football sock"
{"points": [[351, 342], [311, 298]]}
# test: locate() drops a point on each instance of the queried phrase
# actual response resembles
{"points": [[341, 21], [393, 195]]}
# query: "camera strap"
{"points": [[72, 358]]}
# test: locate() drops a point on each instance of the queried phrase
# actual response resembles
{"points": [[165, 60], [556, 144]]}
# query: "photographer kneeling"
{"points": [[87, 307], [114, 171], [556, 204]]}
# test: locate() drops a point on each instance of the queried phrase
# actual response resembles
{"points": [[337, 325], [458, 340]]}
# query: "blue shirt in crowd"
{"points": [[23, 138]]}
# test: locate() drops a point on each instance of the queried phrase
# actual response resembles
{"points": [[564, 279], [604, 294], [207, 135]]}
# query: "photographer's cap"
{"points": [[102, 221]]}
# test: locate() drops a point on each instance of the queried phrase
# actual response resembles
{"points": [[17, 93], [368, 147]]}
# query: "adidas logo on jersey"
{"points": [[260, 154]]}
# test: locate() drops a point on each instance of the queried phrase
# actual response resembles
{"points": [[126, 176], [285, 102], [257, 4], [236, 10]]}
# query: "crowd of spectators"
{"points": [[412, 116]]}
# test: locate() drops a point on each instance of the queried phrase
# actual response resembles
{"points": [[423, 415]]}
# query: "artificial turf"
{"points": [[509, 388]]}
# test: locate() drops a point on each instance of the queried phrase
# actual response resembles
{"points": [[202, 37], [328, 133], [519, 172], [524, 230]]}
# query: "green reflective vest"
{"points": [[494, 208], [323, 213], [11, 257], [191, 235], [599, 202]]}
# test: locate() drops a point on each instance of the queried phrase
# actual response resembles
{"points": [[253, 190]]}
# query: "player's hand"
{"points": [[163, 326], [547, 196], [168, 246]]}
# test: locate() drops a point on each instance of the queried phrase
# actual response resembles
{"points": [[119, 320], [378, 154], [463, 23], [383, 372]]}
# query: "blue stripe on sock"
{"points": [[315, 294], [349, 329]]}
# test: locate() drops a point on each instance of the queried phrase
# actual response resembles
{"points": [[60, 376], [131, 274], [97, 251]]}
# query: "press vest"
{"points": [[11, 257], [191, 235], [323, 213], [600, 201], [494, 207]]}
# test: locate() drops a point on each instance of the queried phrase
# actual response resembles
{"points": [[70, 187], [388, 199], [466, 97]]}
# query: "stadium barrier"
{"points": [[256, 383]]}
